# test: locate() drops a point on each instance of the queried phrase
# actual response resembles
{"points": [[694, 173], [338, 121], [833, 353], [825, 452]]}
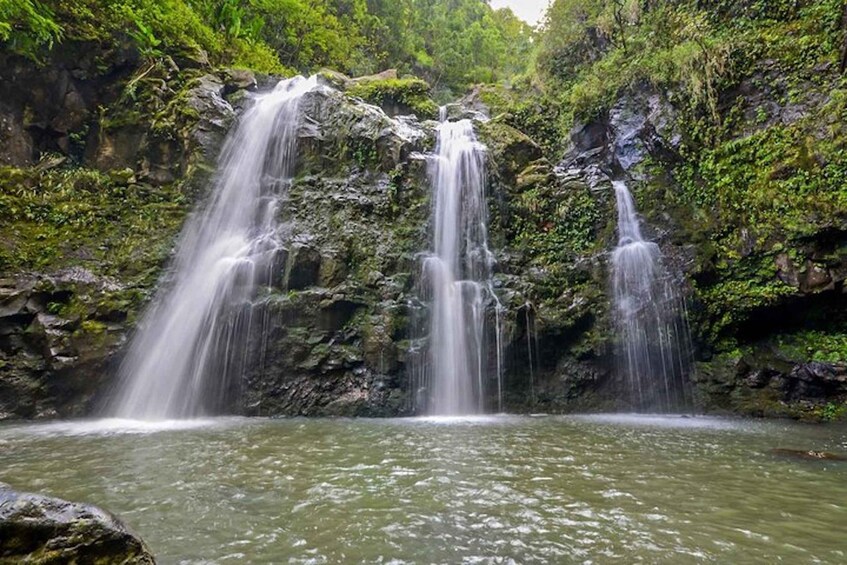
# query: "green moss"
{"points": [[93, 327], [80, 217], [554, 227], [531, 111], [813, 346], [732, 301], [408, 93], [756, 197], [832, 412]]}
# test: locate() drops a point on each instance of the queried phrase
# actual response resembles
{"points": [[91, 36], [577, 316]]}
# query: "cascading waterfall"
{"points": [[653, 342], [193, 339], [457, 279]]}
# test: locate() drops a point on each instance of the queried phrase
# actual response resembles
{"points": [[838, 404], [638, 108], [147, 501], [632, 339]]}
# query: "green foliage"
{"points": [[411, 93], [307, 35], [591, 51], [231, 18], [567, 223], [451, 42], [80, 217], [832, 412], [814, 346], [787, 181], [144, 38], [26, 26]]}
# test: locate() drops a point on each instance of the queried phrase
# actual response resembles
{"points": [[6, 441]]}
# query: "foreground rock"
{"points": [[39, 529]]}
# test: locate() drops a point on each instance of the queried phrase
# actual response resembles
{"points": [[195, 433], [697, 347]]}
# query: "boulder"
{"points": [[509, 149], [396, 96], [334, 79], [238, 79], [338, 132], [472, 105], [39, 529]]}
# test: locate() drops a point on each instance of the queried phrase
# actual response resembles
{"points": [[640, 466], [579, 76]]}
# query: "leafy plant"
{"points": [[145, 39], [27, 27]]}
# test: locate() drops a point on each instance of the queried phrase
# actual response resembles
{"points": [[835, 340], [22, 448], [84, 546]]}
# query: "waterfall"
{"points": [[457, 279], [652, 338], [192, 341]]}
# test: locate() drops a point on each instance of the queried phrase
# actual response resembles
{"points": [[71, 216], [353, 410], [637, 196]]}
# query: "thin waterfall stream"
{"points": [[464, 348], [192, 340], [652, 337]]}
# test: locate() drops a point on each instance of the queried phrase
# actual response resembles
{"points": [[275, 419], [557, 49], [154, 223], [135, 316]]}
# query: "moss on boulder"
{"points": [[41, 530], [396, 95]]}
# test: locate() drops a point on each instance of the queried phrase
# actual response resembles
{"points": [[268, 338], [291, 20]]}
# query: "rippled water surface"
{"points": [[593, 489]]}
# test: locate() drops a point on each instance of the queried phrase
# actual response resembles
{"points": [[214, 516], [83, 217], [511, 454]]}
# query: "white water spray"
{"points": [[193, 339], [457, 278], [653, 343]]}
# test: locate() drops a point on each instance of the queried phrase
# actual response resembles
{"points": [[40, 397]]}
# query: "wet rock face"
{"points": [[150, 132], [58, 100], [190, 133], [336, 317], [355, 217], [639, 126], [340, 136], [58, 336], [92, 103], [547, 230], [38, 529], [771, 385]]}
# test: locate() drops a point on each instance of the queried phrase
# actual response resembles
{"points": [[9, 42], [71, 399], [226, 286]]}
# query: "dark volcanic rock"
{"points": [[50, 361], [40, 530], [808, 455], [766, 384]]}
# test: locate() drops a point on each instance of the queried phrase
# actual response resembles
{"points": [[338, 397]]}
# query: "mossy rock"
{"points": [[512, 150], [397, 96], [40, 530]]}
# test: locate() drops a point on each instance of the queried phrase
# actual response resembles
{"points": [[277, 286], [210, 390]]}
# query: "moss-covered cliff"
{"points": [[724, 118], [739, 179]]}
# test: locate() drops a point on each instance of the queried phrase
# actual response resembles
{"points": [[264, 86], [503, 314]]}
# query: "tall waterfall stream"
{"points": [[192, 340], [465, 345]]}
